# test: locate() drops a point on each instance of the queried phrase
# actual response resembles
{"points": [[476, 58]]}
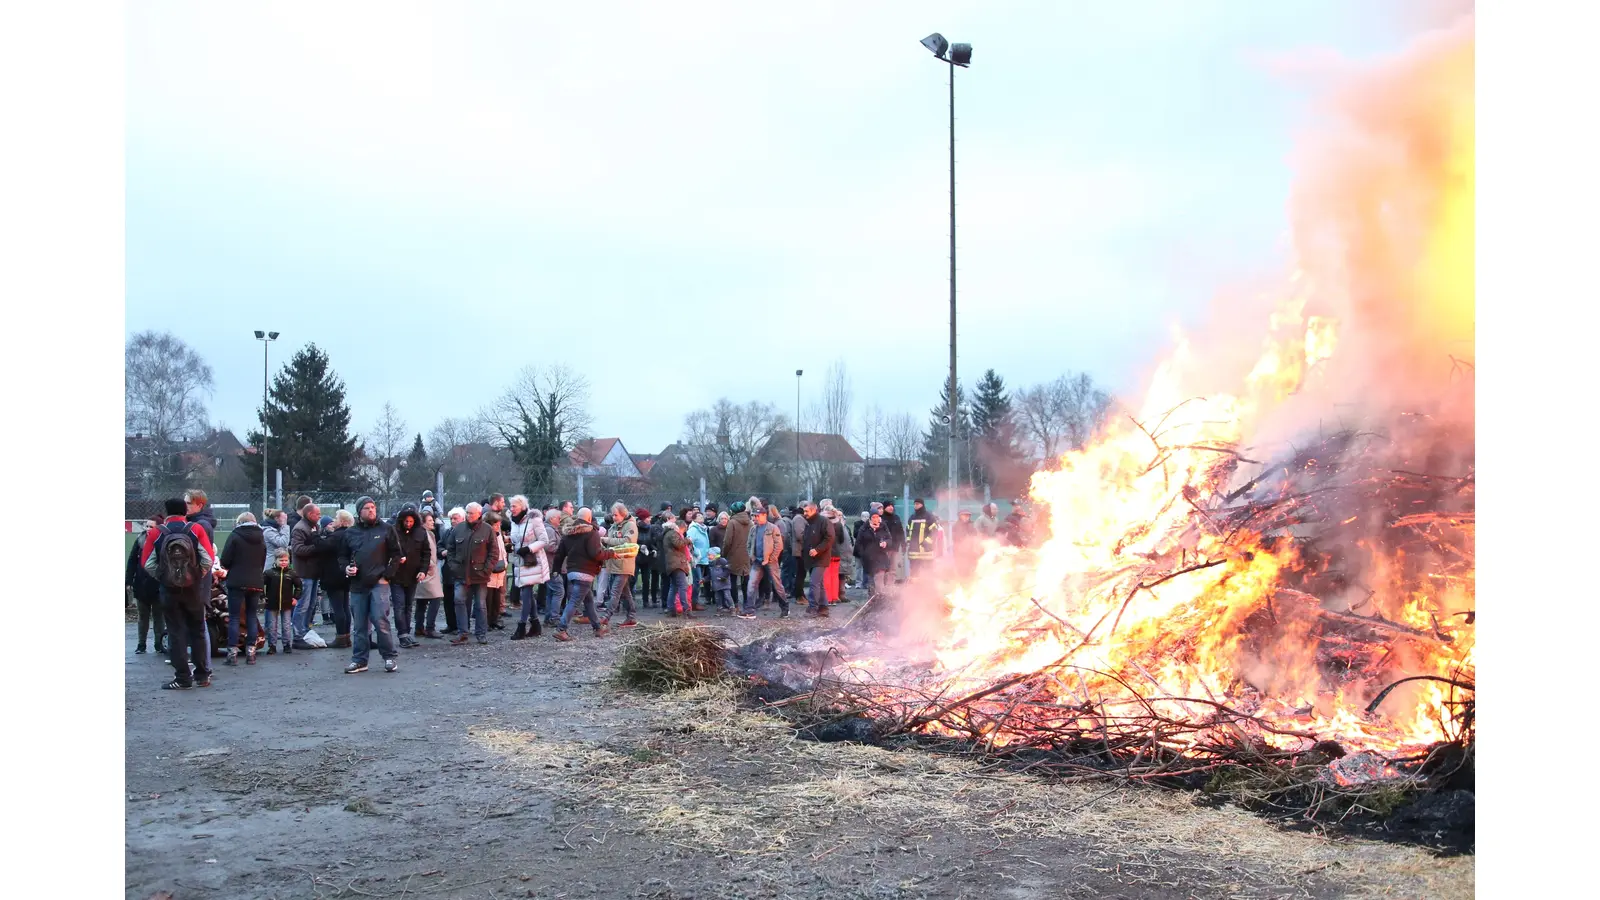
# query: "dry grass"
{"points": [[714, 777]]}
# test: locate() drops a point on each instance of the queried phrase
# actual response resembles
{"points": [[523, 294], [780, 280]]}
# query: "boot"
{"points": [[521, 632], [342, 640], [535, 629], [233, 657], [420, 630]]}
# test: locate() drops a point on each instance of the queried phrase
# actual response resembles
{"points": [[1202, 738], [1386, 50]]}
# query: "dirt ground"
{"points": [[518, 770]]}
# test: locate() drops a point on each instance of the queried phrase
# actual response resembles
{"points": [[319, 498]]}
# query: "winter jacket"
{"points": [[921, 530], [552, 540], [721, 575], [700, 541], [145, 588], [771, 551], [818, 537], [897, 531], [498, 559], [206, 519], [277, 538], [466, 552], [844, 545], [987, 525], [328, 544], [413, 548], [617, 534], [244, 556], [781, 522], [734, 544], [797, 533], [432, 587], [581, 549], [874, 558], [192, 598], [280, 589], [303, 550], [530, 534], [373, 548], [675, 556], [715, 534]]}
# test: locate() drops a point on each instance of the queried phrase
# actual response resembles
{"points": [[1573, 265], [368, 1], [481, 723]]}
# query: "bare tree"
{"points": [[463, 450], [386, 449], [1062, 415], [902, 442], [870, 431], [837, 398], [166, 385], [722, 442], [540, 418]]}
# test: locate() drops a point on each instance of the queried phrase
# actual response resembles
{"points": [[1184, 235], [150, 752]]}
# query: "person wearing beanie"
{"points": [[370, 550]]}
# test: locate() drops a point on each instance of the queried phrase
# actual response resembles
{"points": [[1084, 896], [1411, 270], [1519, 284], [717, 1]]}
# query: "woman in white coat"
{"points": [[430, 590], [530, 561]]}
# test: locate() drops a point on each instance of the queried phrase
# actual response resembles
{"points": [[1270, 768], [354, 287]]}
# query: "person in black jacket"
{"points": [[280, 589], [244, 557], [467, 553], [416, 563], [897, 537], [816, 552], [328, 543], [371, 550], [146, 592], [872, 546]]}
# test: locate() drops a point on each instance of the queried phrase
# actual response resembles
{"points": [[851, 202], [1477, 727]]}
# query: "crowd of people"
{"points": [[384, 582]]}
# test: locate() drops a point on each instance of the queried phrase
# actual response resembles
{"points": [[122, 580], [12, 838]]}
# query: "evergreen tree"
{"points": [[935, 471], [417, 474], [309, 426], [996, 459]]}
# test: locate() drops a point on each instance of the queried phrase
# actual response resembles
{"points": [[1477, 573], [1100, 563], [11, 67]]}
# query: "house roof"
{"points": [[814, 447], [592, 452], [645, 465]]}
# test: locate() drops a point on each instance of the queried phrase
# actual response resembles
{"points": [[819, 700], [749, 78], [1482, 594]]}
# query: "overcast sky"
{"points": [[693, 200]]}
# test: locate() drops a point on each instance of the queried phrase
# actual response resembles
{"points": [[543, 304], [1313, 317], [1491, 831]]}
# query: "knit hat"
{"points": [[363, 502], [641, 513], [736, 507], [713, 553], [665, 505]]}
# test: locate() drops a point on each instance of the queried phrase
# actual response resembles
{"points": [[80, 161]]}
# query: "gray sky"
{"points": [[694, 200]]}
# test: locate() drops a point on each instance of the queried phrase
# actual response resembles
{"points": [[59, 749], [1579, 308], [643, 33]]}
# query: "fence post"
{"points": [[438, 488], [580, 489], [702, 493], [278, 491], [986, 499]]}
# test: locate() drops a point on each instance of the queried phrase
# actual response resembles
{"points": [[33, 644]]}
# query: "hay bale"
{"points": [[674, 658]]}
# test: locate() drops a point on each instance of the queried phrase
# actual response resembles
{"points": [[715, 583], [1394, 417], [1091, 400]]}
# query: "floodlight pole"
{"points": [[949, 514], [266, 340]]}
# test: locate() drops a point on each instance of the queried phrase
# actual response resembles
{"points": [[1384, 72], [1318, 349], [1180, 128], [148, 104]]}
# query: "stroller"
{"points": [[217, 625]]}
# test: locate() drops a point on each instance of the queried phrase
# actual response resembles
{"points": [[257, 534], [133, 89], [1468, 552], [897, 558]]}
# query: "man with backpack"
{"points": [[179, 555]]}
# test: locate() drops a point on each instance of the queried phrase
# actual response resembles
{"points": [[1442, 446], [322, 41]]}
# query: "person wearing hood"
{"points": [[582, 554], [243, 562], [467, 552], [736, 550], [275, 530], [413, 566], [371, 550]]}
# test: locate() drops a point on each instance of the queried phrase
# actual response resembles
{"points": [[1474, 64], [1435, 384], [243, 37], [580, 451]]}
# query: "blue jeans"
{"points": [[369, 610], [280, 627], [401, 597], [677, 598], [817, 590], [776, 580], [528, 594], [248, 604], [619, 595], [788, 567], [579, 590], [470, 602], [306, 608], [555, 592]]}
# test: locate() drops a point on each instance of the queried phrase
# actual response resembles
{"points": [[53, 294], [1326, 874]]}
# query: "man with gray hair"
{"points": [[816, 554], [468, 560]]}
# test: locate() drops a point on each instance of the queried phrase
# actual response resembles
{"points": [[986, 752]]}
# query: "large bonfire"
{"points": [[1285, 565]]}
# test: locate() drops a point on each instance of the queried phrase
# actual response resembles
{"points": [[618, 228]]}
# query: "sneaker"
{"points": [[563, 636], [629, 624], [139, 649], [483, 640], [202, 680], [176, 685], [745, 615], [784, 614], [602, 631], [430, 633], [355, 668], [250, 656], [581, 620], [458, 640], [272, 649], [233, 657], [288, 649], [391, 665]]}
